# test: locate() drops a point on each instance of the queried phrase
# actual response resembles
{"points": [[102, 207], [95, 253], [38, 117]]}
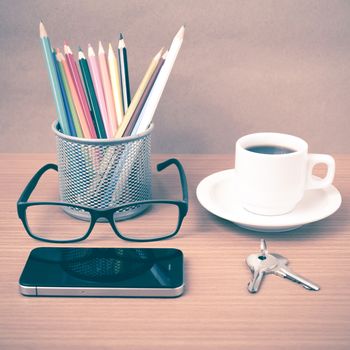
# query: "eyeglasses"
{"points": [[159, 219]]}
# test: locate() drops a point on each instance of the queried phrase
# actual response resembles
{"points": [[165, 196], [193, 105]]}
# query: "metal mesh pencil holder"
{"points": [[104, 173]]}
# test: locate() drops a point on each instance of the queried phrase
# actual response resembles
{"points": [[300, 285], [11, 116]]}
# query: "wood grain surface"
{"points": [[216, 311]]}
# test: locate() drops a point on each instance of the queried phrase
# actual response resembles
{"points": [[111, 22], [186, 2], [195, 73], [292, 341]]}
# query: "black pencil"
{"points": [[124, 73]]}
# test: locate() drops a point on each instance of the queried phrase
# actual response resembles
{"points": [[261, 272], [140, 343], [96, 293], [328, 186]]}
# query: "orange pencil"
{"points": [[78, 107]]}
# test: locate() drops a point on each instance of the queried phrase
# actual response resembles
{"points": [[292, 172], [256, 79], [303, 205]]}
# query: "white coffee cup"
{"points": [[273, 184]]}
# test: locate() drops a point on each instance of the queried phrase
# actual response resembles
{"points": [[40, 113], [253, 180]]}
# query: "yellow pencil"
{"points": [[115, 80], [107, 89], [138, 94]]}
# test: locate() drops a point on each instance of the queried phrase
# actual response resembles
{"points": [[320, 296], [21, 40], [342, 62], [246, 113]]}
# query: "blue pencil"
{"points": [[56, 90], [64, 96]]}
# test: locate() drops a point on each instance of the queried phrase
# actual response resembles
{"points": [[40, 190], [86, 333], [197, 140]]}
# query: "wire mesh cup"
{"points": [[104, 173]]}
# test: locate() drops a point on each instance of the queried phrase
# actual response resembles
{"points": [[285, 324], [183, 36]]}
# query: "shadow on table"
{"points": [[330, 226]]}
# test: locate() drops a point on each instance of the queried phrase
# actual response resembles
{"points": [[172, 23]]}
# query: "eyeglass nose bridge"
{"points": [[106, 214]]}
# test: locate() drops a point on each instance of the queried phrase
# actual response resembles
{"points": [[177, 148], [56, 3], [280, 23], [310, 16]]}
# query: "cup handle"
{"points": [[314, 159]]}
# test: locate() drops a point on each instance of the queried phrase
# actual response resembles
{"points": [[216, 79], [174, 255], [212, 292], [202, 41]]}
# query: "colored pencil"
{"points": [[138, 94], [159, 85], [80, 90], [124, 72], [72, 131], [90, 91], [110, 155], [107, 89], [96, 78], [77, 127], [116, 85], [75, 97], [55, 87], [133, 124]]}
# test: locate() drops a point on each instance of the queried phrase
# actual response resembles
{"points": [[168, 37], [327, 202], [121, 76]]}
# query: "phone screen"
{"points": [[104, 268]]}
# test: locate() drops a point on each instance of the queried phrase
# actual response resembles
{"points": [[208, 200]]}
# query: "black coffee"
{"points": [[270, 149]]}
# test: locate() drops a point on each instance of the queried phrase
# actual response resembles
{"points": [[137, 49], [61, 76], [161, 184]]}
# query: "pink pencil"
{"points": [[80, 90], [75, 97], [107, 88], [96, 78]]}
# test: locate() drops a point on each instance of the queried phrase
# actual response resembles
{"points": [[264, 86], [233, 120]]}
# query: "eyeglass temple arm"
{"points": [[34, 181], [162, 166]]}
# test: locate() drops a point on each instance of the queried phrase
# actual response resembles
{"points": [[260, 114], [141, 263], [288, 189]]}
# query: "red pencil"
{"points": [[81, 93]]}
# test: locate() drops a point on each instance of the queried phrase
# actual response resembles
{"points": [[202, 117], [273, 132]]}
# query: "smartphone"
{"points": [[107, 272]]}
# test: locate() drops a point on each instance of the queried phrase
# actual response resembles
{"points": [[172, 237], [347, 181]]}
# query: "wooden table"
{"points": [[216, 311]]}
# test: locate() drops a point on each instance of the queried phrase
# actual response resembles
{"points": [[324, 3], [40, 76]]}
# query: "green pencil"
{"points": [[96, 113], [69, 95]]}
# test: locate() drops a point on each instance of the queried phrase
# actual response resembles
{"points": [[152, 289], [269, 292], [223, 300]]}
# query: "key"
{"points": [[264, 263], [260, 264], [263, 247], [282, 270]]}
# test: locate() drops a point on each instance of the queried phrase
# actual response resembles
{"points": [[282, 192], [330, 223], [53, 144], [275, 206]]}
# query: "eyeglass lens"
{"points": [[155, 220], [44, 221]]}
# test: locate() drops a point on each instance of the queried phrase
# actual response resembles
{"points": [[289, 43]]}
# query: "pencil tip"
{"points": [[181, 32], [121, 36], [100, 48], [67, 49], [81, 54], [42, 30], [160, 53], [79, 48], [90, 51]]}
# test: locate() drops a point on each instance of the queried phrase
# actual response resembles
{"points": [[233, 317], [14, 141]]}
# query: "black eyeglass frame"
{"points": [[23, 204]]}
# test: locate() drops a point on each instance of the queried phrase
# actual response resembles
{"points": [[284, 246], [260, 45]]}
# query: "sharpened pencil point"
{"points": [[110, 50], [180, 33], [100, 48], [121, 43], [42, 30], [81, 55], [159, 54], [121, 36], [67, 49], [90, 51], [60, 56], [165, 54]]}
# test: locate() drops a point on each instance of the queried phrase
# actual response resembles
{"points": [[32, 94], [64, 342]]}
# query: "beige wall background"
{"points": [[245, 66]]}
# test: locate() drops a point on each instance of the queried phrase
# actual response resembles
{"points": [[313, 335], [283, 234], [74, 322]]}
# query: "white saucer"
{"points": [[218, 194]]}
